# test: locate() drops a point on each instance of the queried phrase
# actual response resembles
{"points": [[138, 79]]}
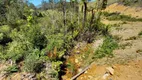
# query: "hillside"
{"points": [[127, 61], [74, 40]]}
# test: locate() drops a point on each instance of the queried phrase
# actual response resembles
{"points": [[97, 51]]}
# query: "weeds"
{"points": [[139, 51], [12, 69], [106, 49], [117, 37], [132, 38], [123, 46], [118, 16], [140, 33]]}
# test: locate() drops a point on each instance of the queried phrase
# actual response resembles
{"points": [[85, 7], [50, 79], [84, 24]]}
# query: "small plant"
{"points": [[56, 68], [106, 49], [139, 51], [140, 33], [118, 16], [123, 46], [117, 37], [132, 38], [12, 69]]}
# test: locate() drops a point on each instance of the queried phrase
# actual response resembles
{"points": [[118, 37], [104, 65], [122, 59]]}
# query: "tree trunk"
{"points": [[104, 4], [92, 19], [64, 20], [64, 12], [85, 14]]}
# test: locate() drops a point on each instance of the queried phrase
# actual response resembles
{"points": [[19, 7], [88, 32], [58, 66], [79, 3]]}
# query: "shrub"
{"points": [[4, 34], [34, 61], [16, 51], [56, 68], [5, 29], [106, 49], [1, 36]]}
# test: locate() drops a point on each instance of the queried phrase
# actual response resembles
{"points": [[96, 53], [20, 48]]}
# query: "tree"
{"points": [[32, 6], [85, 12], [104, 4], [45, 5]]}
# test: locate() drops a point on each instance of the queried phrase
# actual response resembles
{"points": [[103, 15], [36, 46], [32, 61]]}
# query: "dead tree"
{"points": [[85, 13], [104, 4]]}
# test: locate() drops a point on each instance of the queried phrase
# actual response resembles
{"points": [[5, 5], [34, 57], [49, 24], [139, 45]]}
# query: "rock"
{"points": [[85, 72], [32, 76], [33, 79], [79, 70], [76, 61], [22, 76], [27, 75], [110, 70], [2, 75], [105, 75], [65, 78], [110, 79], [90, 77], [77, 52]]}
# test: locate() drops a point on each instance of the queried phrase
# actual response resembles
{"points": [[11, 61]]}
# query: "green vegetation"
{"points": [[12, 69], [106, 49], [38, 40], [118, 16], [131, 2], [140, 33]]}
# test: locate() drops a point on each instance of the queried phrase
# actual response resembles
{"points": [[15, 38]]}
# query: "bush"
{"points": [[56, 68], [5, 29], [34, 61], [4, 34], [16, 51], [1, 36]]}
